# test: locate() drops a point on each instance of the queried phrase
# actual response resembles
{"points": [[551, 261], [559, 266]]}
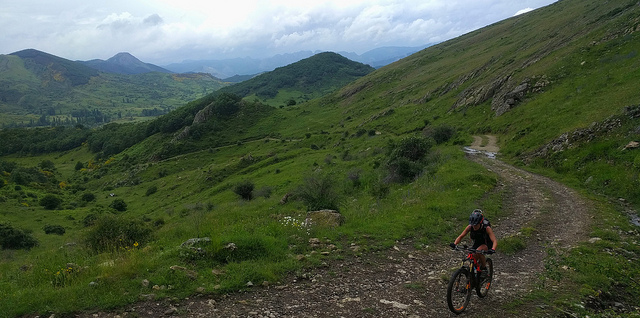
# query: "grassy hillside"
{"points": [[302, 81], [39, 89], [383, 150]]}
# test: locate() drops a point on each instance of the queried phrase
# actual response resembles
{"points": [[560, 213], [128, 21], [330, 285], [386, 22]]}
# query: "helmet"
{"points": [[476, 217]]}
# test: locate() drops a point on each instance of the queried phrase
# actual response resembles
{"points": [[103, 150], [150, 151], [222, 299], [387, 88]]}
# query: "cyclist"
{"points": [[481, 234]]}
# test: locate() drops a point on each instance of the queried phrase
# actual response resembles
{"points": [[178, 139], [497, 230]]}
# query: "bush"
{"points": [[264, 192], [412, 148], [244, 190], [118, 205], [54, 229], [15, 239], [47, 165], [405, 160], [88, 197], [79, 165], [50, 202], [443, 133], [403, 170], [112, 233], [318, 192], [151, 190], [90, 219]]}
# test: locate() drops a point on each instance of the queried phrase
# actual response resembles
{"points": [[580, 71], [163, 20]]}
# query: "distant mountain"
{"points": [[239, 78], [55, 70], [124, 63], [383, 56], [245, 66], [313, 76], [40, 89], [238, 66]]}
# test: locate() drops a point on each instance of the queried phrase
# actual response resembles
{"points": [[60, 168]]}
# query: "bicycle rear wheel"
{"points": [[459, 291], [482, 288]]}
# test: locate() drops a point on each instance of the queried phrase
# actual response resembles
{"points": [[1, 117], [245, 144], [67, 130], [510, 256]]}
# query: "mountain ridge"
{"points": [[124, 63]]}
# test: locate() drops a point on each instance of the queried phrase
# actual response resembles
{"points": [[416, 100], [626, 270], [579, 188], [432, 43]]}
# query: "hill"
{"points": [[301, 81], [124, 63], [212, 198], [40, 89], [246, 66]]}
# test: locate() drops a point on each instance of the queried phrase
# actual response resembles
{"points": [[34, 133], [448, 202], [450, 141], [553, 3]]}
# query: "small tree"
{"points": [[111, 233], [50, 202], [244, 189], [151, 190], [406, 159], [47, 165], [318, 192], [14, 239], [54, 229], [79, 165], [443, 133], [118, 205]]}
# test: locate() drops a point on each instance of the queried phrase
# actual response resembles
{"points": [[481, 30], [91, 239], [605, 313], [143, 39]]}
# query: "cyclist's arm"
{"points": [[492, 237], [464, 233]]}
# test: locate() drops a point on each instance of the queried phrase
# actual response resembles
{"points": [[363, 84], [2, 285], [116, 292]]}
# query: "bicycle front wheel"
{"points": [[459, 291], [482, 288]]}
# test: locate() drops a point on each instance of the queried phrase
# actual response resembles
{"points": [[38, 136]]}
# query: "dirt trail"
{"points": [[403, 281]]}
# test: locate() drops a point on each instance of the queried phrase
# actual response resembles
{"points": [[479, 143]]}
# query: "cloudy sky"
{"points": [[167, 31]]}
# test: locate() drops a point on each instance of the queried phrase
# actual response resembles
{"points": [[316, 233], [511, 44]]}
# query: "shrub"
{"points": [[403, 170], [50, 202], [244, 189], [412, 148], [264, 192], [15, 239], [47, 165], [79, 165], [354, 176], [443, 133], [151, 190], [118, 205], [405, 161], [88, 197], [90, 219], [318, 192], [54, 229], [111, 233]]}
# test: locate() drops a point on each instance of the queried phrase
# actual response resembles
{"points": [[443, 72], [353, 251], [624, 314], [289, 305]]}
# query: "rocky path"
{"points": [[404, 281]]}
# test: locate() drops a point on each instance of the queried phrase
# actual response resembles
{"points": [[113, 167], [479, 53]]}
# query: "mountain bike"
{"points": [[468, 277]]}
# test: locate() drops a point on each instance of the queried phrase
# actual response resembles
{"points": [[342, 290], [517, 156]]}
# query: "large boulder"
{"points": [[324, 218]]}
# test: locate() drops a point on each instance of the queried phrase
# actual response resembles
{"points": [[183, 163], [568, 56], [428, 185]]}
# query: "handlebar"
{"points": [[465, 248]]}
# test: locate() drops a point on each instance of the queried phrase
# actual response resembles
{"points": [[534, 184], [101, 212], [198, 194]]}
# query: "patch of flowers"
{"points": [[64, 276], [290, 221]]}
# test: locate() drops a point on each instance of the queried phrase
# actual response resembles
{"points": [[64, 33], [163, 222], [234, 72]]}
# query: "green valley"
{"points": [[39, 89]]}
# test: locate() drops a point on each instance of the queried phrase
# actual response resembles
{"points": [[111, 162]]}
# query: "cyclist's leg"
{"points": [[480, 257]]}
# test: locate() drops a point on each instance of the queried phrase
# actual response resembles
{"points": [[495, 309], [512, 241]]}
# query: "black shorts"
{"points": [[479, 243]]}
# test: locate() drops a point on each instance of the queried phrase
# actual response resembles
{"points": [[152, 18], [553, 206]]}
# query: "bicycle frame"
{"points": [[474, 264], [468, 278]]}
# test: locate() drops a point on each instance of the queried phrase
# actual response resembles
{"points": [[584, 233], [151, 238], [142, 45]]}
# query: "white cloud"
{"points": [[525, 10], [165, 31]]}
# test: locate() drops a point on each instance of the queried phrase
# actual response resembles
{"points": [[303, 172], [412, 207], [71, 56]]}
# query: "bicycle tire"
{"points": [[482, 288], [459, 291]]}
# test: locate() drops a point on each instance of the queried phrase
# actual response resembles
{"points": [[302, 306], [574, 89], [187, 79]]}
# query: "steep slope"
{"points": [[124, 63], [530, 79]]}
